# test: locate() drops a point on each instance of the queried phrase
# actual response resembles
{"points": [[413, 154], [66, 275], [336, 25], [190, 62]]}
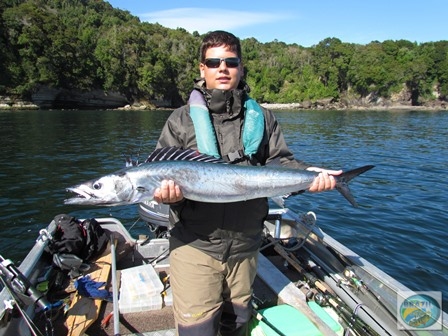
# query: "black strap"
{"points": [[234, 156]]}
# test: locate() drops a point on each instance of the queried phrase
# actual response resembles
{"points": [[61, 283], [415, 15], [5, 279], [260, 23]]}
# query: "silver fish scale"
{"points": [[204, 181], [201, 178]]}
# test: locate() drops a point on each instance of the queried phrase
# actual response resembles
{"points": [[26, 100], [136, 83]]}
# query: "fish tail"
{"points": [[343, 180]]}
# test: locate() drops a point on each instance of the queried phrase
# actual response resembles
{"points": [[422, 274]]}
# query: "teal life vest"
{"points": [[253, 127]]}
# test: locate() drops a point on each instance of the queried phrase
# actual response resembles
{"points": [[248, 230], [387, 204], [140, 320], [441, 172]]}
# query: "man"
{"points": [[214, 246]]}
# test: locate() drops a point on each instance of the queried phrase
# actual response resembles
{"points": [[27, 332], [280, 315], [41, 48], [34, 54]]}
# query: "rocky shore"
{"points": [[7, 103], [49, 98], [395, 106], [358, 104]]}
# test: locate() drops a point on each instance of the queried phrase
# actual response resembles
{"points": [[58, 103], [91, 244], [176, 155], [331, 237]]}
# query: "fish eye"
{"points": [[97, 186]]}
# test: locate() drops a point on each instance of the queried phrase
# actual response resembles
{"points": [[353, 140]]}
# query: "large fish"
{"points": [[201, 178]]}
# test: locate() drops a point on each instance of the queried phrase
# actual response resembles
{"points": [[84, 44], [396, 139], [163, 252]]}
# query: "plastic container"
{"points": [[139, 303], [140, 290], [155, 248]]}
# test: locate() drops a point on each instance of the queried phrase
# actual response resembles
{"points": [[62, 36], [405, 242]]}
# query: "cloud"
{"points": [[204, 20]]}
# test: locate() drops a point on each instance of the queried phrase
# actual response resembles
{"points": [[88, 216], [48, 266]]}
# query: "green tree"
{"points": [[330, 59], [439, 72], [87, 45], [372, 70]]}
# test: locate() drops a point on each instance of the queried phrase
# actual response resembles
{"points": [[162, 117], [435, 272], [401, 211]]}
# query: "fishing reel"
{"points": [[19, 286], [70, 262]]}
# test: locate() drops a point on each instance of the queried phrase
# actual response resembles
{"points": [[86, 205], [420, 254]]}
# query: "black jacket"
{"points": [[224, 229]]}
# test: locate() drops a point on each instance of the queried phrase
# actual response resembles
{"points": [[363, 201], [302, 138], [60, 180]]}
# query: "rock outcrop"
{"points": [[8, 103], [46, 98]]}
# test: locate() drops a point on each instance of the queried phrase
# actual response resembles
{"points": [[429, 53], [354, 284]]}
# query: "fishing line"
{"points": [[132, 226]]}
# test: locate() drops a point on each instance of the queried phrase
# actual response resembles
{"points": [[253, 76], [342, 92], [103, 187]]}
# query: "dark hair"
{"points": [[220, 38]]}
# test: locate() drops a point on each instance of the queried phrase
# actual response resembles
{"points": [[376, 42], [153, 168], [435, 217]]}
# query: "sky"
{"points": [[303, 22]]}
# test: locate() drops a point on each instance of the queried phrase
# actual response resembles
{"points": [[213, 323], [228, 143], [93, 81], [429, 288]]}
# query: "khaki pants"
{"points": [[210, 295]]}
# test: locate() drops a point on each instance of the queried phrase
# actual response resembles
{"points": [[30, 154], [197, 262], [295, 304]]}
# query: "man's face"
{"points": [[223, 77]]}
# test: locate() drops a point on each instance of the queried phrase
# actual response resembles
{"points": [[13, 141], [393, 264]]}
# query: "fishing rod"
{"points": [[351, 301], [21, 285], [329, 295], [21, 289], [349, 317], [15, 301]]}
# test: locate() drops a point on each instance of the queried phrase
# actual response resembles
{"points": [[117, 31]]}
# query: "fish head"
{"points": [[112, 189]]}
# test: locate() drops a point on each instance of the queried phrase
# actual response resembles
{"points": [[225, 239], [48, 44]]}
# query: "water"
{"points": [[400, 225]]}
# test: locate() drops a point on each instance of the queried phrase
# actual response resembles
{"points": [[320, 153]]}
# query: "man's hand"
{"points": [[325, 180], [168, 193]]}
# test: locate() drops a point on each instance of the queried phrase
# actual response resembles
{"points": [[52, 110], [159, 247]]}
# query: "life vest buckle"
{"points": [[234, 156]]}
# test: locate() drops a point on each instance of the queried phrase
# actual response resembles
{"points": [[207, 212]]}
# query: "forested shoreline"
{"points": [[85, 51]]}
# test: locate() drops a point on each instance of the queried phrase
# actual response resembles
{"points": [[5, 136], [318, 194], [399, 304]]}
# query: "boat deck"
{"points": [[322, 271], [161, 321]]}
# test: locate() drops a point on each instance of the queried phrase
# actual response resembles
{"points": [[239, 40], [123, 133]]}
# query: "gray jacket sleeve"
{"points": [[175, 131]]}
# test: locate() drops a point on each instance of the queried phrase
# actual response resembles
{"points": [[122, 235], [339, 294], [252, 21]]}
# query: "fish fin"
{"points": [[345, 191], [279, 200], [176, 154], [129, 161], [343, 179]]}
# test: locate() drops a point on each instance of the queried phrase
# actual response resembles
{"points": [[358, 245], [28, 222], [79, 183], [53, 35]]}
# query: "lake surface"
{"points": [[400, 226]]}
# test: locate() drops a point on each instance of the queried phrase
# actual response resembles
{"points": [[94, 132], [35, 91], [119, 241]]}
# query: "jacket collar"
{"points": [[223, 101]]}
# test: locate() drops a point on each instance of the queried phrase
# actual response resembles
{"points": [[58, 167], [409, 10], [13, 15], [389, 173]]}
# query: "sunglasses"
{"points": [[231, 62]]}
